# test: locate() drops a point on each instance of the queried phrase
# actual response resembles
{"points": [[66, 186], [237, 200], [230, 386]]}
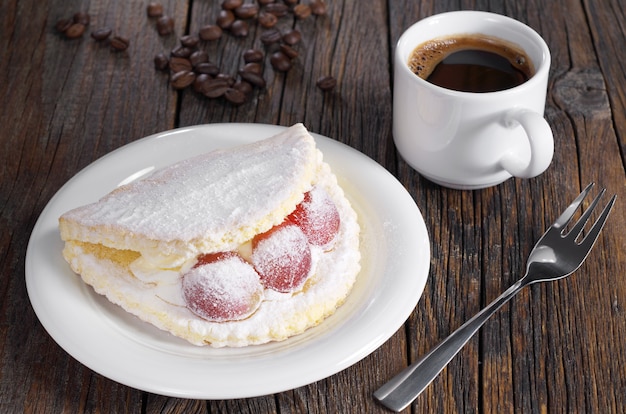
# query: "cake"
{"points": [[234, 247]]}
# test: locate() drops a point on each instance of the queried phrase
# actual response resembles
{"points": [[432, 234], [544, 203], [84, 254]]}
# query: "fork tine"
{"points": [[566, 216], [578, 227], [592, 235]]}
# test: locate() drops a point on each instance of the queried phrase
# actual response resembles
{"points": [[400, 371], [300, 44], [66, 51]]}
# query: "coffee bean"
{"points": [[214, 88], [265, 2], [62, 25], [75, 31], [165, 25], [254, 67], [120, 43], [199, 56], [302, 11], [210, 32], [280, 62], [101, 34], [198, 83], [253, 78], [291, 2], [189, 41], [326, 83], [234, 96], [155, 10], [243, 86], [292, 37], [225, 19], [270, 36], [181, 51], [247, 11], [82, 18], [318, 7], [180, 64], [252, 55], [161, 62], [231, 4], [267, 20], [239, 28], [207, 68], [224, 76], [182, 79], [277, 9], [289, 51]]}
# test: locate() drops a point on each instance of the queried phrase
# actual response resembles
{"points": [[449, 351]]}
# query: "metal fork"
{"points": [[556, 255]]}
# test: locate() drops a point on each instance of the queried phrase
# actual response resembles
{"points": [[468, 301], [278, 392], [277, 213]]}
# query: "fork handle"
{"points": [[402, 389]]}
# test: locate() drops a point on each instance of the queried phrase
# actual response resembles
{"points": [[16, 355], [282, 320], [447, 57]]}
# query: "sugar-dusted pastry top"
{"points": [[211, 202]]}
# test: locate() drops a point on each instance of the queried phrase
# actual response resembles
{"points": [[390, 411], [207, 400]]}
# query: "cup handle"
{"points": [[541, 143]]}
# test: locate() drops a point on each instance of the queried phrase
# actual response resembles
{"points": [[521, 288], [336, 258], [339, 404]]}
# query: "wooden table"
{"points": [[557, 347]]}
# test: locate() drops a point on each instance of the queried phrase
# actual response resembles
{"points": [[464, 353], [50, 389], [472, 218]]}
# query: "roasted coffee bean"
{"points": [[292, 37], [252, 55], [302, 11], [247, 11], [155, 10], [62, 25], [253, 78], [199, 56], [326, 83], [182, 51], [225, 19], [231, 4], [243, 86], [239, 28], [165, 25], [119, 43], [207, 68], [214, 88], [277, 9], [234, 96], [161, 62], [266, 2], [270, 36], [101, 34], [189, 41], [180, 80], [180, 64], [225, 76], [82, 18], [289, 51], [75, 31], [210, 32], [267, 20], [254, 67], [291, 2], [198, 83], [280, 62], [318, 7]]}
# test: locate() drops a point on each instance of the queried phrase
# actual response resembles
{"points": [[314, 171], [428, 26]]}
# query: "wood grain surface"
{"points": [[556, 347]]}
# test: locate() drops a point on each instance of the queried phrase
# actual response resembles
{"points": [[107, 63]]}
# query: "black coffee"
{"points": [[471, 63]]}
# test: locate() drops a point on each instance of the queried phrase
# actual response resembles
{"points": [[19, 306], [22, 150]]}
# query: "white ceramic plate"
{"points": [[396, 260]]}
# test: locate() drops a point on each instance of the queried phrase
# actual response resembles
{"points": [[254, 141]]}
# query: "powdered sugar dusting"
{"points": [[227, 289], [282, 257], [277, 316], [211, 202]]}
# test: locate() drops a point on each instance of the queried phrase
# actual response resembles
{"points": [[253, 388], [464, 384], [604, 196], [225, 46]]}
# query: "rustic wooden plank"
{"points": [[555, 347], [68, 102]]}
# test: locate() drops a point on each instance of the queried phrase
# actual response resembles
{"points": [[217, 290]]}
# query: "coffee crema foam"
{"points": [[426, 56]]}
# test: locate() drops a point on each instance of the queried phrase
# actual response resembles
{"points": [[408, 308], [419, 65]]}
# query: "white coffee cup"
{"points": [[469, 140]]}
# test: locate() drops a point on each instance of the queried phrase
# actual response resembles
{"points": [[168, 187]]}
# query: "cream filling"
{"points": [[166, 283]]}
